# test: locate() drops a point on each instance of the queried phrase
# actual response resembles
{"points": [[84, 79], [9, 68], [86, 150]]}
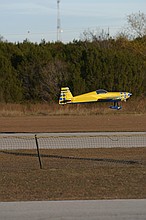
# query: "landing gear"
{"points": [[116, 106]]}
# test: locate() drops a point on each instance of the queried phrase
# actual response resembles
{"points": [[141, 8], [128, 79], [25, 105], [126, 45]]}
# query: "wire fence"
{"points": [[53, 149]]}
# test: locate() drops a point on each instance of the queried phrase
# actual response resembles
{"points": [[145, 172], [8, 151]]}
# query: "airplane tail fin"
{"points": [[65, 96]]}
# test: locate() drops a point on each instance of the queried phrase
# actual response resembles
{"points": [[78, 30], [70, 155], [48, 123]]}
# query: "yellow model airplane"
{"points": [[100, 95]]}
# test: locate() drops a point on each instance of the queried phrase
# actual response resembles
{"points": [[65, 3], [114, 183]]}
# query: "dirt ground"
{"points": [[73, 174], [115, 122]]}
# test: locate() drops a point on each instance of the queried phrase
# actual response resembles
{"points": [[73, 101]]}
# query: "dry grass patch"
{"points": [[135, 106], [73, 174]]}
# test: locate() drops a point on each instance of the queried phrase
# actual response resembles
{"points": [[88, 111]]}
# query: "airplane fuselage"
{"points": [[101, 97]]}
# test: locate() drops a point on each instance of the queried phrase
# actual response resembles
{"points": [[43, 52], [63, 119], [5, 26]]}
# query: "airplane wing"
{"points": [[109, 99]]}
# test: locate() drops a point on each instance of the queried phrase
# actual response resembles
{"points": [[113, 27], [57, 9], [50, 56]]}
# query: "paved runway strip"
{"points": [[73, 140], [74, 210]]}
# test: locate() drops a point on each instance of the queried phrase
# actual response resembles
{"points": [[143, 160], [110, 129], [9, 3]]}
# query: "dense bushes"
{"points": [[35, 72]]}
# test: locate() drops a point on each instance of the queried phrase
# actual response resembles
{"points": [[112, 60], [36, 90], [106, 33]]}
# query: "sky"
{"points": [[37, 19]]}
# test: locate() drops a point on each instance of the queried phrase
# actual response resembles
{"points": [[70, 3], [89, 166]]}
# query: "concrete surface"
{"points": [[74, 210]]}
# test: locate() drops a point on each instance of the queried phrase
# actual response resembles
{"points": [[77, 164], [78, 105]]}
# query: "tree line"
{"points": [[36, 72]]}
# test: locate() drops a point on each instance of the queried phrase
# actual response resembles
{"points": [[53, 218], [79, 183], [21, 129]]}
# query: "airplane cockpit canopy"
{"points": [[101, 91]]}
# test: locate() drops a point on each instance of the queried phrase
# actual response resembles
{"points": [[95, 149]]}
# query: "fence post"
{"points": [[37, 145]]}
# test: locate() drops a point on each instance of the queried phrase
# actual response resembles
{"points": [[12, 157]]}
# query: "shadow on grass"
{"points": [[106, 160]]}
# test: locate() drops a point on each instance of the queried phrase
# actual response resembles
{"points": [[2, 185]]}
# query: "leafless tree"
{"points": [[54, 75], [136, 24]]}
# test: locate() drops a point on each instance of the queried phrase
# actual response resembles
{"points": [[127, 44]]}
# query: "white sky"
{"points": [[37, 19]]}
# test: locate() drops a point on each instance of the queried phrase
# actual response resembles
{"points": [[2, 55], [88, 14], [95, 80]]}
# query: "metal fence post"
{"points": [[38, 152]]}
